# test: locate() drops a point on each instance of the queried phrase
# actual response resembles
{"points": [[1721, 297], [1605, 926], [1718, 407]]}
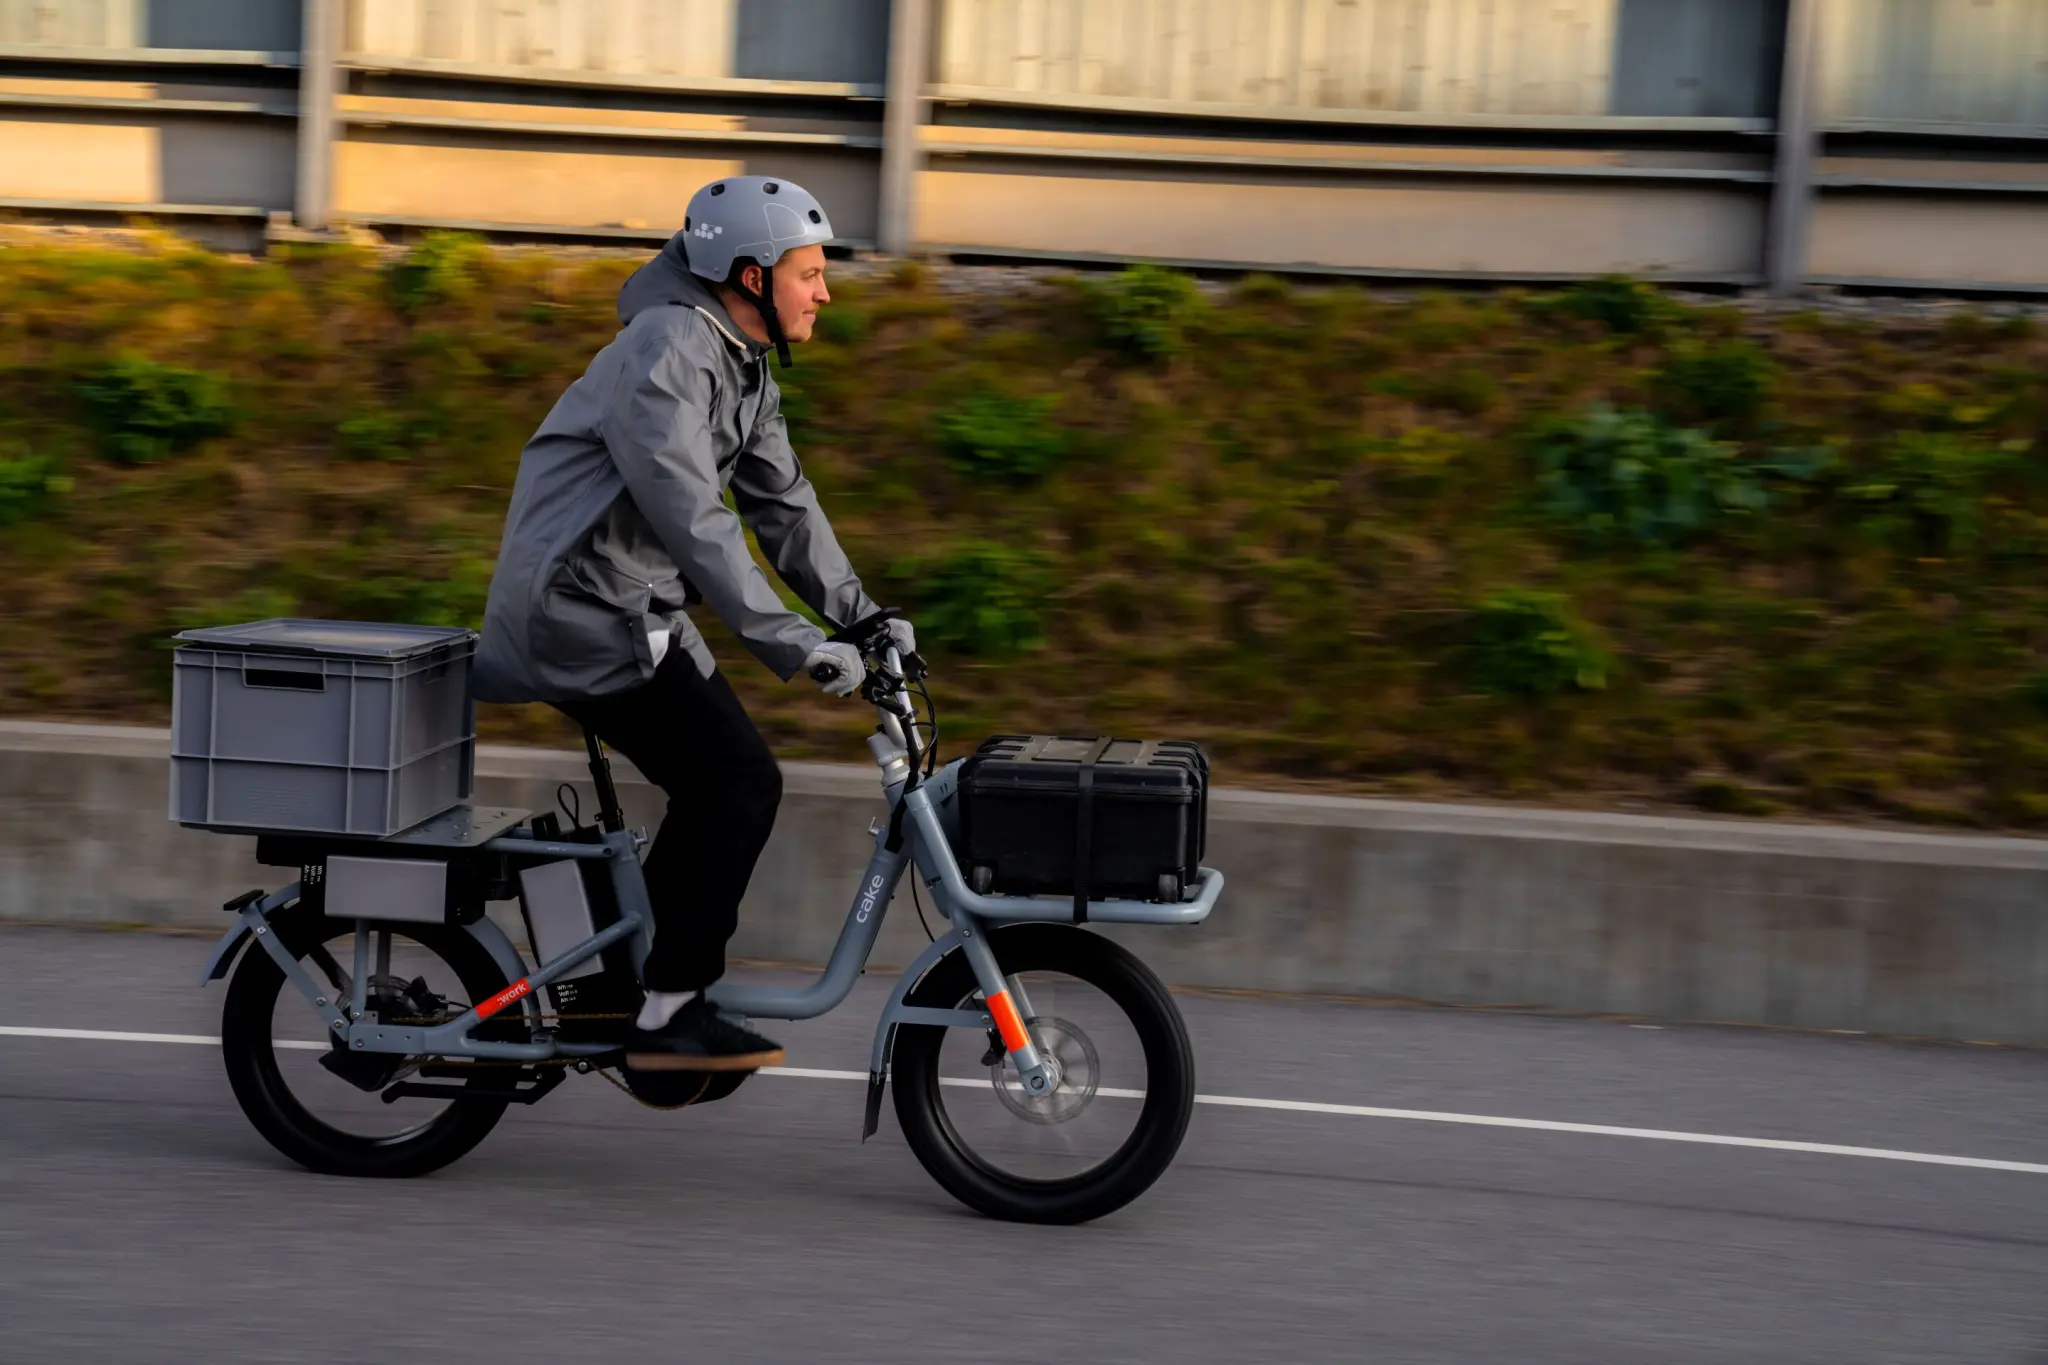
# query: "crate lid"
{"points": [[347, 639]]}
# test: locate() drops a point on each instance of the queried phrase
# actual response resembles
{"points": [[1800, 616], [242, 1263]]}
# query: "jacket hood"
{"points": [[666, 280]]}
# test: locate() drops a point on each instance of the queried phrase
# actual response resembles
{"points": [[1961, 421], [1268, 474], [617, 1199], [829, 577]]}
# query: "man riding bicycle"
{"points": [[618, 522]]}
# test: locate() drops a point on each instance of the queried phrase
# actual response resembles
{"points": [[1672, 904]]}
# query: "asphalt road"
{"points": [[142, 1220]]}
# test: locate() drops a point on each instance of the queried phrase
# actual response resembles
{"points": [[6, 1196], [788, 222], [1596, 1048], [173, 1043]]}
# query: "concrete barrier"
{"points": [[1692, 919]]}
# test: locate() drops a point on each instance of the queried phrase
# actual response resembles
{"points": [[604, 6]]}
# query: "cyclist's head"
{"points": [[762, 239]]}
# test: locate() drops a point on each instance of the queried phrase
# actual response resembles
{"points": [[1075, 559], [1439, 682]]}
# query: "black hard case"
{"points": [[1032, 806]]}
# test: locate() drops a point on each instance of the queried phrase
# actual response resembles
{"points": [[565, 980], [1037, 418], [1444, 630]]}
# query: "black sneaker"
{"points": [[699, 1038]]}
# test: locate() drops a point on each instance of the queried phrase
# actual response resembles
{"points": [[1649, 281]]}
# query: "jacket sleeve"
{"points": [[657, 427], [782, 507]]}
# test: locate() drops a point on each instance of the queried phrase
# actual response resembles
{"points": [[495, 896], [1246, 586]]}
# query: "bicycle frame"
{"points": [[917, 832]]}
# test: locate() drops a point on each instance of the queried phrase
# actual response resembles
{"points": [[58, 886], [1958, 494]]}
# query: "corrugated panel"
{"points": [[659, 37], [1699, 58], [238, 25], [75, 23], [253, 25], [813, 40], [838, 40], [1936, 61], [1423, 56]]}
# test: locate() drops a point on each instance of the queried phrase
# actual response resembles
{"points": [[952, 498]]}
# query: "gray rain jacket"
{"points": [[618, 517]]}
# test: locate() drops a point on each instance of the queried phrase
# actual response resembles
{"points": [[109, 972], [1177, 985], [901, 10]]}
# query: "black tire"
{"points": [[1154, 1139], [260, 1088]]}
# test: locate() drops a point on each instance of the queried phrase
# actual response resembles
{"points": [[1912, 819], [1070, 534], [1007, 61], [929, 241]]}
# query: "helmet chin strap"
{"points": [[764, 304]]}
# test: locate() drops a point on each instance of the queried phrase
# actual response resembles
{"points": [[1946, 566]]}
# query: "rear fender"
{"points": [[224, 954]]}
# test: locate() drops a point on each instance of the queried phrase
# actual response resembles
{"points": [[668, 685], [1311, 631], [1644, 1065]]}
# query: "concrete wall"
{"points": [[1462, 139], [1730, 921]]}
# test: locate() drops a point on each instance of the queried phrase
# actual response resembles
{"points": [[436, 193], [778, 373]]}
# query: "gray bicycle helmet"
{"points": [[753, 219]]}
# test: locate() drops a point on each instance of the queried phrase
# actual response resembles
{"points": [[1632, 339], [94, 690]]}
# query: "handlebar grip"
{"points": [[824, 673]]}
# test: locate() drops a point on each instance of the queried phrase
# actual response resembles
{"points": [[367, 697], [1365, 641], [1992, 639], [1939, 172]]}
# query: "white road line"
{"points": [[1363, 1111]]}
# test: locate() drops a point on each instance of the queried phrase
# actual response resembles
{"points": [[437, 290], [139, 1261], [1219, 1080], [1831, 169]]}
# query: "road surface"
{"points": [[142, 1220]]}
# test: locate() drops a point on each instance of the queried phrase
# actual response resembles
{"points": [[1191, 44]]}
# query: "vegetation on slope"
{"points": [[1591, 544]]}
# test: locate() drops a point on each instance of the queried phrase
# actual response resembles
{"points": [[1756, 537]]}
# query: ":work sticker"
{"points": [[516, 991]]}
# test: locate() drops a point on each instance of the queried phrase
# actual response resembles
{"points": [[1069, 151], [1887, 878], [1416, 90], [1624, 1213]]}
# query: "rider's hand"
{"points": [[902, 635], [836, 669]]}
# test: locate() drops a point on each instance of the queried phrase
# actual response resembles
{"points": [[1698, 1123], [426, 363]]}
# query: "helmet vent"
{"points": [[717, 189], [770, 188], [817, 217]]}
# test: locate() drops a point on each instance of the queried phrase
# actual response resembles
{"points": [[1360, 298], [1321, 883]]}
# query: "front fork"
{"points": [[1007, 1008]]}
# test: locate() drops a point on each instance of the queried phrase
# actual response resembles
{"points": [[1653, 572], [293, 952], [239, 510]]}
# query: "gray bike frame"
{"points": [[919, 819]]}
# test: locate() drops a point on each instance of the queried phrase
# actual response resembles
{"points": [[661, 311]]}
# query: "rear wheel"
{"points": [[272, 1043], [1124, 1092]]}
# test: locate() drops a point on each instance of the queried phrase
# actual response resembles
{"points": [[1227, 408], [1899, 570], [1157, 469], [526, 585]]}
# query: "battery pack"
{"points": [[405, 890], [558, 915]]}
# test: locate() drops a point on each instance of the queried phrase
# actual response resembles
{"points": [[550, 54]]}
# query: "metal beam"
{"points": [[15, 100], [114, 206], [1798, 149], [1535, 170], [320, 52], [496, 227], [1391, 274], [372, 63], [388, 118], [146, 56], [910, 28], [1363, 118]]}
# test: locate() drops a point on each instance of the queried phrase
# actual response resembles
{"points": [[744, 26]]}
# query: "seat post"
{"points": [[609, 817]]}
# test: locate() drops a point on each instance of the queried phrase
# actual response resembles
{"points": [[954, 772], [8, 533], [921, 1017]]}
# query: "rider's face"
{"points": [[800, 291]]}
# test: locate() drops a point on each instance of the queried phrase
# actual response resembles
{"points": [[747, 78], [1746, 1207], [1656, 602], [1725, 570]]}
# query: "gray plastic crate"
{"points": [[325, 727]]}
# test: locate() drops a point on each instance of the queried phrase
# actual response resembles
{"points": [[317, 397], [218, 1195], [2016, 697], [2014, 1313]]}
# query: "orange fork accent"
{"points": [[1008, 1022]]}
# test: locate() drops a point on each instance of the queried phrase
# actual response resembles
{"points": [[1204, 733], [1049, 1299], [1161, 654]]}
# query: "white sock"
{"points": [[661, 1007]]}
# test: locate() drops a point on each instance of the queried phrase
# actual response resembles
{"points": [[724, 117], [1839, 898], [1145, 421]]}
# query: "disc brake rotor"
{"points": [[1075, 1069]]}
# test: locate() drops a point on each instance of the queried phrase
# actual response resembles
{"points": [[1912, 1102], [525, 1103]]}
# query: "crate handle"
{"points": [[284, 678]]}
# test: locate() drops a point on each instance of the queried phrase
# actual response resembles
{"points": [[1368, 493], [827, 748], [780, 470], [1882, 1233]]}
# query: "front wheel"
{"points": [[1124, 1069]]}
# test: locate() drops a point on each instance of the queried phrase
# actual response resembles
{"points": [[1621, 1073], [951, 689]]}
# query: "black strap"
{"points": [[1084, 829], [764, 304]]}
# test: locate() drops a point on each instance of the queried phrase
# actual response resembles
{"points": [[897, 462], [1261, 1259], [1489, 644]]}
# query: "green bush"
{"points": [[441, 267], [1624, 475], [980, 599], [1145, 311], [456, 599], [996, 437], [1721, 385], [1927, 495], [1623, 306], [144, 411], [373, 436], [1522, 643], [844, 324], [1467, 391], [27, 482]]}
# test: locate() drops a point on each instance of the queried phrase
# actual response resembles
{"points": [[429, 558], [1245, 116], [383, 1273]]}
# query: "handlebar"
{"points": [[871, 637]]}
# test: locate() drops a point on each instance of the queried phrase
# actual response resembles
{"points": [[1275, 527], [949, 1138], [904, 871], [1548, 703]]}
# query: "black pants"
{"points": [[689, 735]]}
